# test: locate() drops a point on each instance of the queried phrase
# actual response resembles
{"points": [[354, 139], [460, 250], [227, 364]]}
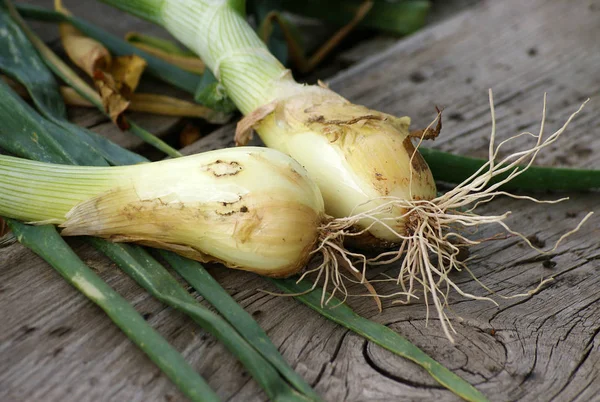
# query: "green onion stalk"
{"points": [[216, 206], [376, 187]]}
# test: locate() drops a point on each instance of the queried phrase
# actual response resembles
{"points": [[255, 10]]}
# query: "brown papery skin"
{"points": [[259, 224]]}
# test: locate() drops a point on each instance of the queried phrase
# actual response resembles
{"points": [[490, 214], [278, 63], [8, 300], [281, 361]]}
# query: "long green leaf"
{"points": [[47, 243], [20, 61], [23, 131], [146, 271], [381, 335], [195, 274], [61, 69], [399, 17], [456, 168]]}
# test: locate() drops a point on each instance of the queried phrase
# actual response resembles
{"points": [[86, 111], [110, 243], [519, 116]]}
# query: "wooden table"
{"points": [[57, 346]]}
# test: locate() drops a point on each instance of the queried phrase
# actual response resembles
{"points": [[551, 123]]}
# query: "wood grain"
{"points": [[56, 346]]}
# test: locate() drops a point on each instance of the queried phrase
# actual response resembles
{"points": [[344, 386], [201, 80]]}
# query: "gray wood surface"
{"points": [[57, 346]]}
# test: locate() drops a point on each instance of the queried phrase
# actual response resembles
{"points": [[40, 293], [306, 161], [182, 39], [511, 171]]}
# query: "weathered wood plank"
{"points": [[57, 346]]}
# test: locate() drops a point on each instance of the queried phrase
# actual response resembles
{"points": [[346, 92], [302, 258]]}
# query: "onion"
{"points": [[249, 208]]}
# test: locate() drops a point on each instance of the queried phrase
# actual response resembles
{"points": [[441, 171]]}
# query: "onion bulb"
{"points": [[359, 158], [249, 208]]}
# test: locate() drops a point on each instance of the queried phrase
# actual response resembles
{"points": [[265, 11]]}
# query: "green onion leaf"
{"points": [[153, 277], [195, 274], [165, 45], [381, 335], [47, 243], [212, 94], [398, 17], [452, 168], [21, 62]]}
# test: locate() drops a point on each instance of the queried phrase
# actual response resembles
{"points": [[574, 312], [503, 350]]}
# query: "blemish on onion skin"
{"points": [[243, 209], [227, 203], [87, 288], [379, 176], [321, 119], [221, 168], [225, 213]]}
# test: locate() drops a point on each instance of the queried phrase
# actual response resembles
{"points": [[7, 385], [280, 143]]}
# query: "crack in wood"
{"points": [[333, 357], [529, 374], [586, 353], [391, 376]]}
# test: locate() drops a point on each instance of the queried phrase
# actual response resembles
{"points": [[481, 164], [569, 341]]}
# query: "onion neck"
{"points": [[220, 35], [230, 48], [34, 191]]}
